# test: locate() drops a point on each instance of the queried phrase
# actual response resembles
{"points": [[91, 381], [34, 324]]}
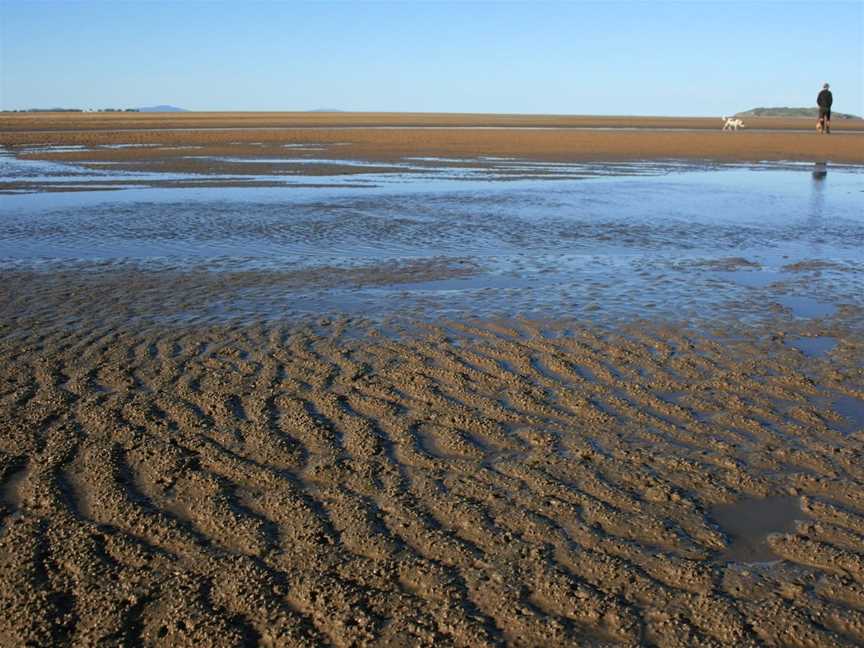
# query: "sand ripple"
{"points": [[476, 485]]}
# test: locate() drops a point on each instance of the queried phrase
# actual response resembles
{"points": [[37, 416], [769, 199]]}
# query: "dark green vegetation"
{"points": [[791, 112]]}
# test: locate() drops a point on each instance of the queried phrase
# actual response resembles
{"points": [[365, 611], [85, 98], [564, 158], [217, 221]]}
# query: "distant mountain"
{"points": [[162, 109], [791, 112], [325, 110]]}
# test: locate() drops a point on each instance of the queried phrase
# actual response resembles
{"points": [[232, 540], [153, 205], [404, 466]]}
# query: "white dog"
{"points": [[732, 124]]}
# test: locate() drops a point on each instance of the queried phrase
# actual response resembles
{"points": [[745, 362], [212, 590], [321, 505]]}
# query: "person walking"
{"points": [[824, 101]]}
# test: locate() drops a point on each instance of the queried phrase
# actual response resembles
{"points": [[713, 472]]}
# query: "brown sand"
{"points": [[477, 485], [109, 121], [346, 136]]}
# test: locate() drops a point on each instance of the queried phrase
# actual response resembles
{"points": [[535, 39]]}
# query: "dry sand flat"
{"points": [[111, 121]]}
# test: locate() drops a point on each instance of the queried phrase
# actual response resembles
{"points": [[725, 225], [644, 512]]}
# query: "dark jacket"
{"points": [[824, 100]]}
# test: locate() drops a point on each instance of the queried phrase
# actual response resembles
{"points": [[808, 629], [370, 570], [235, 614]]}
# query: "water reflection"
{"points": [[817, 197], [820, 170], [815, 222], [817, 202]]}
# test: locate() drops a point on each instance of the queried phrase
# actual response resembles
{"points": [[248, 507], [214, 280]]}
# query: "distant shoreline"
{"points": [[10, 118], [183, 141], [801, 113]]}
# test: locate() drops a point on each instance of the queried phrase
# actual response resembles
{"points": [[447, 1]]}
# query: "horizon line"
{"points": [[59, 109]]}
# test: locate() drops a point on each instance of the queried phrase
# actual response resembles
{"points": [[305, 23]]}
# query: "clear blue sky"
{"points": [[647, 58]]}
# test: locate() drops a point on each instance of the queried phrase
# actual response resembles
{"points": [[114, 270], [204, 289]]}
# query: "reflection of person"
{"points": [[824, 101]]}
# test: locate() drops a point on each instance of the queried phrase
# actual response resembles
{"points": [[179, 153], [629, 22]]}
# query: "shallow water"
{"points": [[575, 239], [749, 522], [851, 409], [814, 347], [804, 306], [753, 278]]}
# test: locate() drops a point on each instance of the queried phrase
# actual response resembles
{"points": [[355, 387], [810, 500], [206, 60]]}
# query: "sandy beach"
{"points": [[251, 149], [561, 411], [207, 142]]}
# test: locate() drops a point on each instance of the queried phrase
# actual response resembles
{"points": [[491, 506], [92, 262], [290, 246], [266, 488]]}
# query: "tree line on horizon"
{"points": [[787, 111]]}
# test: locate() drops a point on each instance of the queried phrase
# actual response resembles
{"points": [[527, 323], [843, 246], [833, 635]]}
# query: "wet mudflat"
{"points": [[642, 239], [514, 482], [435, 408]]}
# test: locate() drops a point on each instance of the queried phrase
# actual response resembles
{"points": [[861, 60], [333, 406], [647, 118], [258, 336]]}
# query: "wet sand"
{"points": [[189, 142], [175, 474], [111, 121], [470, 484]]}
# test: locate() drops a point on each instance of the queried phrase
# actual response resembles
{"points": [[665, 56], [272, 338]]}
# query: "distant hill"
{"points": [[328, 110], [162, 109], [791, 112]]}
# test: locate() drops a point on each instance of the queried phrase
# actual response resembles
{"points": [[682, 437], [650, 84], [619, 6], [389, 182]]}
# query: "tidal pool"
{"points": [[636, 239], [750, 521], [814, 347]]}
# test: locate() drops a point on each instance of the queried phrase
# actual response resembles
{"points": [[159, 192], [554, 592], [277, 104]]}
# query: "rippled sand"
{"points": [[471, 485]]}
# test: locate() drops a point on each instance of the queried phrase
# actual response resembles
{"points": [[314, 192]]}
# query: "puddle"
{"points": [[813, 347], [807, 307], [302, 161], [10, 490], [749, 522], [852, 409], [71, 148], [438, 160], [477, 282], [752, 278], [127, 146]]}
